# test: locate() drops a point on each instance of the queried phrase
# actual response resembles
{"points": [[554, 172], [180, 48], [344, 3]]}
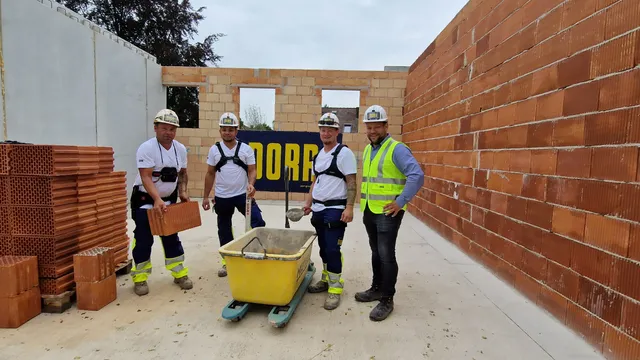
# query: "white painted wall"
{"points": [[68, 81]]}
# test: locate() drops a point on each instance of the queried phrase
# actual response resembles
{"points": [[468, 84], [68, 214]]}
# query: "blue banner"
{"points": [[276, 149]]}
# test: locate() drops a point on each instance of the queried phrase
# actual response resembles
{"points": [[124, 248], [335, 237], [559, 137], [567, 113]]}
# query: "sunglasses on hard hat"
{"points": [[327, 122]]}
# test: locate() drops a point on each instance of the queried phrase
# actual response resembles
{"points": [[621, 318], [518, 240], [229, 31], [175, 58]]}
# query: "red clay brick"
{"points": [[545, 80], [550, 106], [602, 197], [562, 280], [576, 10], [569, 223], [569, 132], [620, 346], [17, 310], [622, 17], [179, 217], [620, 90], [527, 285], [587, 33], [540, 134], [600, 301], [593, 263], [17, 274], [534, 187], [499, 203], [520, 161], [549, 25], [517, 208], [557, 248], [534, 265], [567, 192], [634, 242], [553, 302], [581, 99], [615, 56], [539, 214], [526, 111], [625, 278], [630, 318], [92, 265], [544, 161], [94, 296], [502, 160], [629, 201], [586, 324], [574, 163], [575, 69], [615, 163], [611, 128]]}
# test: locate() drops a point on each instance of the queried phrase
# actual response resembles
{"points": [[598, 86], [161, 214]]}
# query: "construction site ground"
{"points": [[447, 307]]}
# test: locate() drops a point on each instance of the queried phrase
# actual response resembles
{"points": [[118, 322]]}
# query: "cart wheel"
{"points": [[280, 326], [237, 319]]}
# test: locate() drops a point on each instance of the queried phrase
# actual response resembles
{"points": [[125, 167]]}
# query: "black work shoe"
{"points": [[382, 310], [372, 294]]}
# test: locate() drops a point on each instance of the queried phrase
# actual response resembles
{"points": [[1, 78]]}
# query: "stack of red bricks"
{"points": [[57, 201], [19, 293], [94, 274]]}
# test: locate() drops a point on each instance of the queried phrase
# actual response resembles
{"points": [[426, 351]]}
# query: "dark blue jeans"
{"points": [[330, 237], [225, 207], [383, 233]]}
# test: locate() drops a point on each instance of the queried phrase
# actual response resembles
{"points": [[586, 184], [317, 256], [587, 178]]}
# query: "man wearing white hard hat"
{"points": [[232, 167], [391, 177], [161, 180], [331, 199]]}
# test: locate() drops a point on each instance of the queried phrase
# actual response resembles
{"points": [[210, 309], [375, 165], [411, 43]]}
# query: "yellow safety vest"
{"points": [[382, 181]]}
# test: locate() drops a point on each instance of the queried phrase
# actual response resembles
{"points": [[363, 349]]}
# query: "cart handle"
{"points": [[254, 255]]}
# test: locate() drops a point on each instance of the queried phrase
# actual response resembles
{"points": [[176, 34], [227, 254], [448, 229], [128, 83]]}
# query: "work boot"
{"points": [[184, 282], [382, 310], [332, 301], [223, 271], [372, 294], [141, 288], [318, 287]]}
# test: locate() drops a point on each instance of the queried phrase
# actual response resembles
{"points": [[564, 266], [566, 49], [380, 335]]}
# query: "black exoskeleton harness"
{"points": [[235, 158], [332, 170]]}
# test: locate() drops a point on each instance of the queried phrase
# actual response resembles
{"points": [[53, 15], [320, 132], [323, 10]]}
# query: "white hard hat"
{"points": [[167, 116], [375, 113], [229, 119], [329, 120]]}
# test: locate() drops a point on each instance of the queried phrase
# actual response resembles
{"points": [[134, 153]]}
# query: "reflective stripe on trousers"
{"points": [[176, 266], [140, 272]]}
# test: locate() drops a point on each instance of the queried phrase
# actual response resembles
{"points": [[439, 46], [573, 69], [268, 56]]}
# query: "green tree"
{"points": [[163, 28]]}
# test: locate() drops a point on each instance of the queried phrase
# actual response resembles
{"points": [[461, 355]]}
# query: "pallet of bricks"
{"points": [[58, 201]]}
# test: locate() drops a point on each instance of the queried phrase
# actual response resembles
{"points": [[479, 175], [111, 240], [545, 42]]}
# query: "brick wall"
{"points": [[525, 115], [297, 106]]}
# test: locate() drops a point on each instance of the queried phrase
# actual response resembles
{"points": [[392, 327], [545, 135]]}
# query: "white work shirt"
{"points": [[231, 180], [329, 187], [153, 155]]}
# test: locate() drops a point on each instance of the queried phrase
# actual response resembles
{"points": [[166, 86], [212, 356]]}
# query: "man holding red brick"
{"points": [[162, 178], [232, 167]]}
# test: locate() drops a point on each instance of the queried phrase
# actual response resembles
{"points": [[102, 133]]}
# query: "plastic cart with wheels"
{"points": [[268, 266]]}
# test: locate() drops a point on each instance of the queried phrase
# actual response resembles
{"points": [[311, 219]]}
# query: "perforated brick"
{"points": [[6, 245], [94, 264], [17, 274], [178, 217], [94, 296], [45, 221], [43, 160], [16, 311], [4, 158], [4, 190], [42, 190], [5, 221], [56, 286]]}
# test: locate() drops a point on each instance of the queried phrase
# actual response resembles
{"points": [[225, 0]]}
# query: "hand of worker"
{"points": [[251, 190], [184, 197], [392, 209], [160, 206], [306, 208], [205, 204], [347, 215]]}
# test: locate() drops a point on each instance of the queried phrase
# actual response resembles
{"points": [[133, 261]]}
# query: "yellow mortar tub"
{"points": [[267, 265]]}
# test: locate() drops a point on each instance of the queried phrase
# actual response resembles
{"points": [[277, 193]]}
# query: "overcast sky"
{"points": [[330, 34]]}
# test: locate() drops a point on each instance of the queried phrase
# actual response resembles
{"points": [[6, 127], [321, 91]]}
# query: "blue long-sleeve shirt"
{"points": [[408, 165]]}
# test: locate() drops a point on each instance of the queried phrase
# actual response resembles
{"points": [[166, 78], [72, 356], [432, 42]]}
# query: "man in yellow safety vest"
{"points": [[391, 177]]}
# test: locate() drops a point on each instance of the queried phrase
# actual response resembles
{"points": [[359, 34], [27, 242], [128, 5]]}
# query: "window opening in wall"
{"points": [[346, 105], [184, 101], [257, 108]]}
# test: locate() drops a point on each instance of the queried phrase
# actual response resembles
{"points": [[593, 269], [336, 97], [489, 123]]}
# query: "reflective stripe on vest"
{"points": [[382, 181]]}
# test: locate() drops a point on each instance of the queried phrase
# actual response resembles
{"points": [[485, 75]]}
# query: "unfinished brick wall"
{"points": [[526, 117], [297, 106]]}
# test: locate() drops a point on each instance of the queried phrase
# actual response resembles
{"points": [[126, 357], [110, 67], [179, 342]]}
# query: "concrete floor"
{"points": [[447, 307]]}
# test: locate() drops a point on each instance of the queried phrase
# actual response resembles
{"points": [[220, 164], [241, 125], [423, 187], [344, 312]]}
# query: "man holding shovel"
{"points": [[331, 199]]}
